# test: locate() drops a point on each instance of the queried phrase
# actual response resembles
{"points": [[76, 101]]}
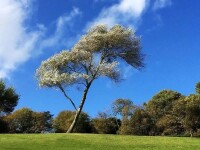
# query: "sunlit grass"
{"points": [[94, 142]]}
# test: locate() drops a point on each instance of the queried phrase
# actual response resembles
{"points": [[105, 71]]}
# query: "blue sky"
{"points": [[33, 30]]}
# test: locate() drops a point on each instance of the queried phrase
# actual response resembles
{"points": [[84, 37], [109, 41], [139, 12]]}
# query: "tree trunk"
{"points": [[191, 133], [78, 112], [71, 128]]}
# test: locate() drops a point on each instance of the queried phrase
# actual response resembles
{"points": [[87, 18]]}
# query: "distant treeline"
{"points": [[167, 113]]}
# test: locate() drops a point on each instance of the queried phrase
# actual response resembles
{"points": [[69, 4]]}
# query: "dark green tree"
{"points": [[8, 99]]}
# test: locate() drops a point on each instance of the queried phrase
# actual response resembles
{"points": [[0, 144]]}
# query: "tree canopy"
{"points": [[27, 121], [8, 98]]}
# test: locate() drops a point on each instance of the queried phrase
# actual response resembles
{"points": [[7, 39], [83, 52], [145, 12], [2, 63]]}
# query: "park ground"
{"points": [[95, 142]]}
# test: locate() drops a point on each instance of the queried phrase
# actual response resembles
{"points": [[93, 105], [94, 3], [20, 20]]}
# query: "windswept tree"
{"points": [[97, 54]]}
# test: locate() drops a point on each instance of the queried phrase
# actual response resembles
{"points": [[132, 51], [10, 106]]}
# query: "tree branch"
{"points": [[71, 101]]}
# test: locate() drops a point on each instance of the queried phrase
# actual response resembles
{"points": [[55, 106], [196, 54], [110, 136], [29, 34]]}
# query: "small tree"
{"points": [[125, 109], [96, 54], [8, 99], [161, 105]]}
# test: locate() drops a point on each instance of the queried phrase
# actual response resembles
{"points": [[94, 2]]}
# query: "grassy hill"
{"points": [[94, 142]]}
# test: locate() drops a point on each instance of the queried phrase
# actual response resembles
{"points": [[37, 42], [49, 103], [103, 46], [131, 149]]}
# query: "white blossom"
{"points": [[80, 65]]}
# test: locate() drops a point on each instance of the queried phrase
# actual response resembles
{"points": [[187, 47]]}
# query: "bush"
{"points": [[64, 119]]}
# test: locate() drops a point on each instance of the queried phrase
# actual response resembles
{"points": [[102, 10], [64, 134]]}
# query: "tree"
{"points": [[64, 119], [41, 122], [170, 125], [125, 109], [160, 105], [105, 124], [192, 118], [3, 125], [8, 98], [27, 121], [20, 121], [140, 122], [197, 88], [96, 54]]}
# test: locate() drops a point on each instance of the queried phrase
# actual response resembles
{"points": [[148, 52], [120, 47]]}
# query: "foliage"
{"points": [[161, 105], [8, 98], [104, 124], [80, 64], [42, 122], [125, 109], [96, 54], [192, 118], [3, 125], [162, 102], [27, 121], [170, 125], [125, 128], [64, 119], [140, 122], [197, 88]]}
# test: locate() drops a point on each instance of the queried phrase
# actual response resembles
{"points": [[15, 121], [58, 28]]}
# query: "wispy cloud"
{"points": [[18, 41], [158, 4], [62, 24], [126, 12]]}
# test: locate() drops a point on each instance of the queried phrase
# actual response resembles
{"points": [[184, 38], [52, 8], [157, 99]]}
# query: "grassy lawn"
{"points": [[94, 142]]}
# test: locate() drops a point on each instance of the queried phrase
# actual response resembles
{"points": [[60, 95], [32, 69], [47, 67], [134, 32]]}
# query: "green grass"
{"points": [[94, 142]]}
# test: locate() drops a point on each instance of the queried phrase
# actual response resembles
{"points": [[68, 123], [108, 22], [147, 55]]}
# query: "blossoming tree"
{"points": [[96, 54]]}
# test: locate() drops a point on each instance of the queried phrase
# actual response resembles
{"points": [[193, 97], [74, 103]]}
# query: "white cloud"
{"points": [[126, 12], [16, 43], [62, 24], [158, 4]]}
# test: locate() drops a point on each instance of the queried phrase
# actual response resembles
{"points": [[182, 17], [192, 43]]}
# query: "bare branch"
{"points": [[71, 101]]}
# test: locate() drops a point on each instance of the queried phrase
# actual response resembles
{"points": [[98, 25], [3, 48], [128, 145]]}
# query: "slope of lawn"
{"points": [[94, 142]]}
